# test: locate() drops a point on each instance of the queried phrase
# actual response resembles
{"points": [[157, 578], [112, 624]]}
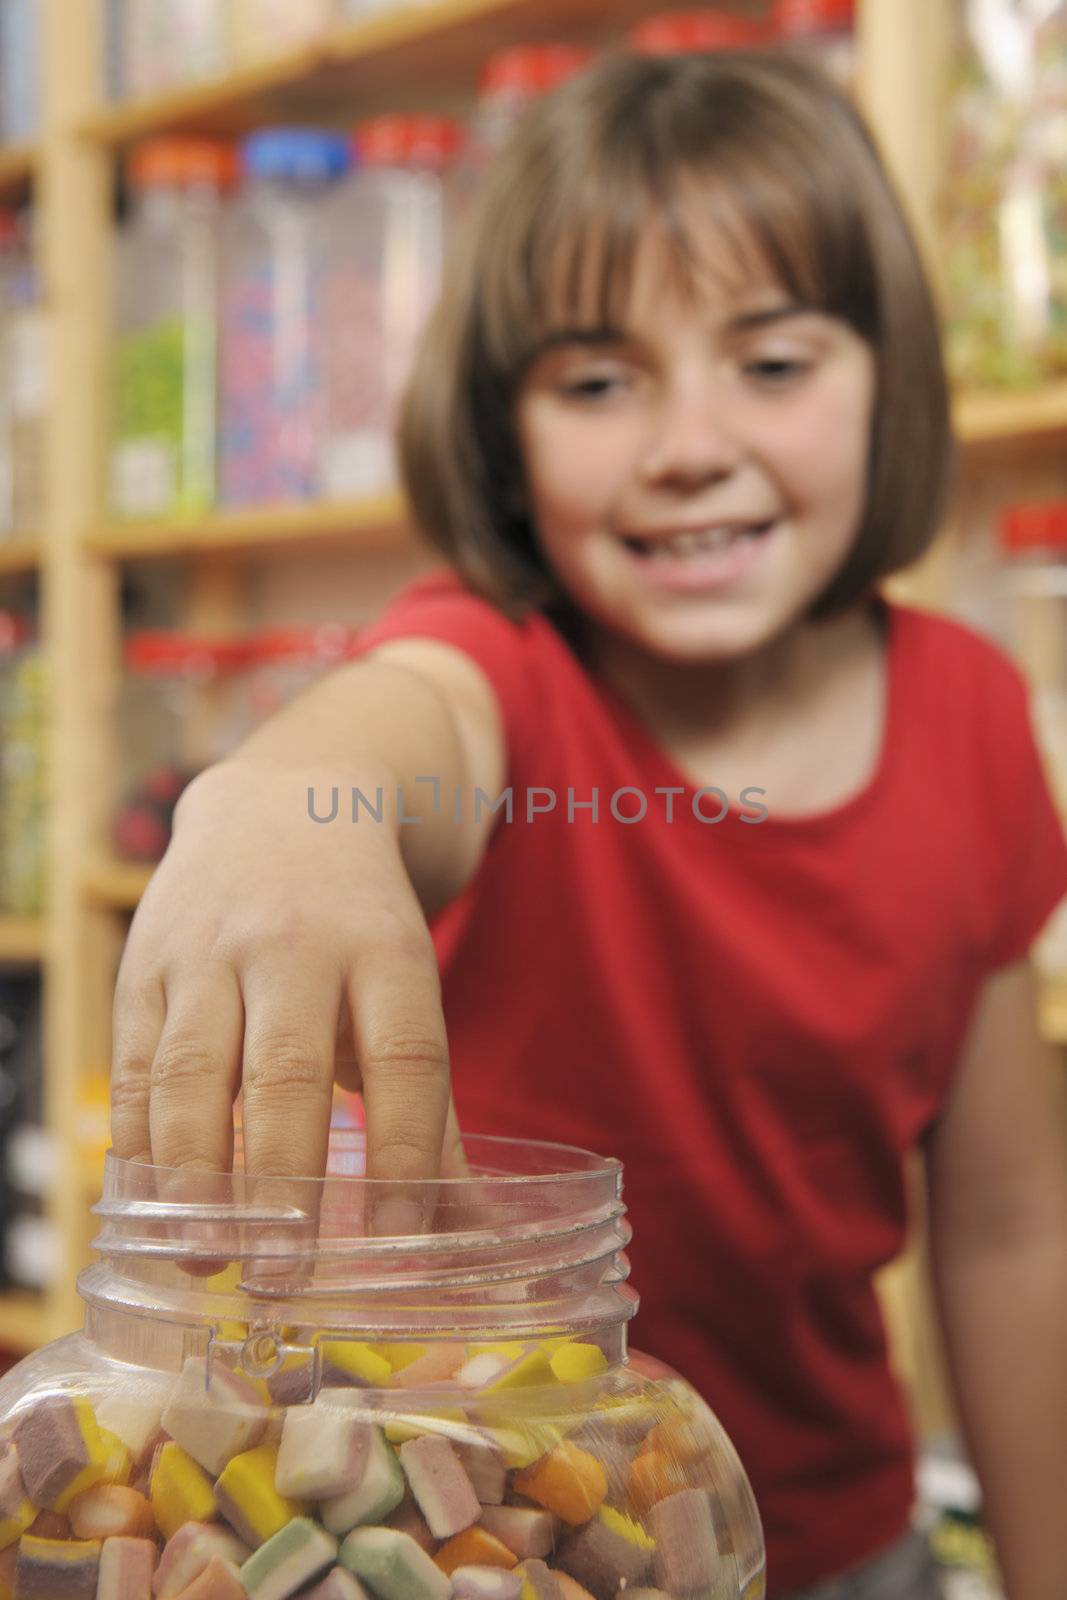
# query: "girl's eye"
{"points": [[777, 371], [595, 386]]}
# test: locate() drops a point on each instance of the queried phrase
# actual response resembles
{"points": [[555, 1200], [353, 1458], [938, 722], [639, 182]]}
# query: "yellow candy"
{"points": [[398, 1356], [118, 1465], [533, 1368], [246, 1486], [626, 1528], [96, 1449], [14, 1526], [357, 1360], [523, 1442], [573, 1363], [510, 1350], [180, 1491], [399, 1431]]}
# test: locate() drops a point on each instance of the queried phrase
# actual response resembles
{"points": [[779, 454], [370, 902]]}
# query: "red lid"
{"points": [[164, 652], [688, 32], [330, 641], [1034, 527], [10, 228], [407, 141], [15, 631], [793, 18], [176, 163], [532, 69]]}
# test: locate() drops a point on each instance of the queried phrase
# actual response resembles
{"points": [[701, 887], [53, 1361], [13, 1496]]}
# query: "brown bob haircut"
{"points": [[772, 154]]}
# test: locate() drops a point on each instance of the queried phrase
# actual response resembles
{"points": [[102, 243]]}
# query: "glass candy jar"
{"points": [[339, 1410]]}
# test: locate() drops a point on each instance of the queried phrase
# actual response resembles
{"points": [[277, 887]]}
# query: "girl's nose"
{"points": [[690, 442]]}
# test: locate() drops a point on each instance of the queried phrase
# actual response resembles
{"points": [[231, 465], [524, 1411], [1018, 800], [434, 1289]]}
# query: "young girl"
{"points": [[731, 867]]}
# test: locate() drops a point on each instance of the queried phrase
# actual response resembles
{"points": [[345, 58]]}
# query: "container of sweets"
{"points": [[163, 456], [385, 239], [821, 30], [673, 33], [180, 708], [414, 1393], [510, 80], [154, 45], [1033, 539], [282, 662], [274, 331]]}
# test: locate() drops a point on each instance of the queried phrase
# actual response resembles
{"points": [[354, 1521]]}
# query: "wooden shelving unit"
{"points": [[421, 56]]}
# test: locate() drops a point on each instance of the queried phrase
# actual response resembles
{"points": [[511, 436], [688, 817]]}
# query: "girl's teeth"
{"points": [[688, 544]]}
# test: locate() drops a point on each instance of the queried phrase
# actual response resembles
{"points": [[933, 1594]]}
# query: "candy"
{"points": [[525, 1532], [8, 1559], [571, 1589], [17, 1512], [219, 1581], [653, 1476], [492, 1372], [393, 1566], [609, 1552], [474, 1547], [324, 1448], [337, 1585], [486, 1583], [300, 1552], [214, 1418], [118, 1463], [687, 1553], [440, 1362], [246, 1496], [443, 1492], [575, 1362], [567, 1481], [50, 1525], [60, 1450], [407, 1518], [378, 1492], [349, 1361], [190, 1550], [110, 1511], [180, 1490], [56, 1569], [483, 1462], [136, 1421], [126, 1569], [538, 1581]]}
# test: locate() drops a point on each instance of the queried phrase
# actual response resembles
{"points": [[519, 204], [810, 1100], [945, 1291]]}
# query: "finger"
{"points": [[195, 1072], [138, 1016], [287, 1071], [453, 1156], [394, 996]]}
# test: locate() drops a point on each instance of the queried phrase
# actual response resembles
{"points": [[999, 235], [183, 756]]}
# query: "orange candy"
{"points": [[110, 1511], [676, 1437], [653, 1477], [567, 1481], [570, 1588], [474, 1547]]}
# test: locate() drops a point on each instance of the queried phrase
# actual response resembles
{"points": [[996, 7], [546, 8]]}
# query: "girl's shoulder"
{"points": [[954, 667]]}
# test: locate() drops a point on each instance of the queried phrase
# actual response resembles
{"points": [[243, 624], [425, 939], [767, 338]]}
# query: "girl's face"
{"points": [[696, 477]]}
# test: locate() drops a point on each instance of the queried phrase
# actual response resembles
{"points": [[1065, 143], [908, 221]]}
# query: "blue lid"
{"points": [[296, 154]]}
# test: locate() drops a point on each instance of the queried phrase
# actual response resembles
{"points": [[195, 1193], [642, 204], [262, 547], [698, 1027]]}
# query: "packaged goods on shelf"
{"points": [[385, 228], [23, 768], [20, 70], [1005, 199], [282, 662], [510, 80], [23, 380], [671, 33], [155, 45], [274, 332], [164, 451], [180, 708], [822, 30], [321, 1412], [261, 28], [27, 1246], [1034, 541]]}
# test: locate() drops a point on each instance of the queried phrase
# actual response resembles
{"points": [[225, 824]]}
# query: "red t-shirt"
{"points": [[759, 1019]]}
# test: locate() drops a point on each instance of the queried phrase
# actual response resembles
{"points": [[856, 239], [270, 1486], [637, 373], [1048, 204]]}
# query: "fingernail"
{"points": [[395, 1217]]}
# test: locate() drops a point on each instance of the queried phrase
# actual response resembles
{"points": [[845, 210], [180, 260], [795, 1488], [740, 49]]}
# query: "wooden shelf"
{"points": [[396, 61], [17, 165], [19, 555], [992, 418], [23, 1322], [373, 524], [21, 940], [117, 885], [1054, 1009]]}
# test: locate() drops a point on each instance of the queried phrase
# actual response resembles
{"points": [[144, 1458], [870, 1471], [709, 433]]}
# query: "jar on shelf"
{"points": [[260, 28], [450, 1412], [686, 32], [23, 768], [180, 709], [23, 380], [20, 70], [155, 45], [274, 331], [511, 80], [384, 243], [163, 455], [1005, 198], [822, 30], [282, 662], [1034, 541]]}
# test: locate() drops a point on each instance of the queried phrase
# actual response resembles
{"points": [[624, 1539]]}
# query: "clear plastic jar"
{"points": [[442, 1415], [20, 69], [163, 456], [823, 30], [685, 32], [180, 709], [385, 240], [262, 28], [155, 45], [23, 381], [510, 81], [1034, 541], [282, 662], [1005, 198], [274, 333], [24, 716]]}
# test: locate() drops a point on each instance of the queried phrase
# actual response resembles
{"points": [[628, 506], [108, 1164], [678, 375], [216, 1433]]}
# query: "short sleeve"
{"points": [[440, 607], [1030, 849]]}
